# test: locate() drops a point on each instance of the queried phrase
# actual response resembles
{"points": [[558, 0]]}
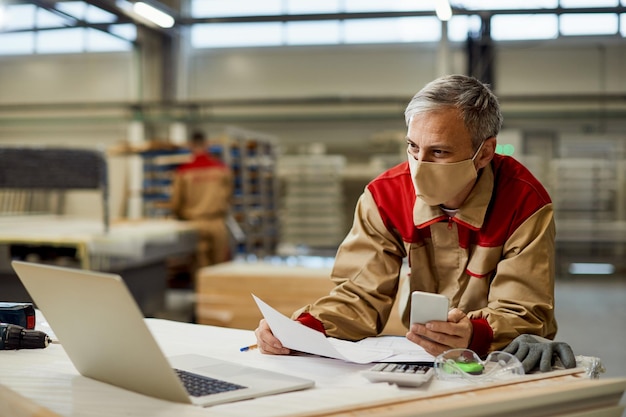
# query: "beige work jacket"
{"points": [[493, 260]]}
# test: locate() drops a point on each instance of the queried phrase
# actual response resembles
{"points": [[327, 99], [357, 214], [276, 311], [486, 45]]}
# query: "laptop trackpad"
{"points": [[223, 370], [204, 365]]}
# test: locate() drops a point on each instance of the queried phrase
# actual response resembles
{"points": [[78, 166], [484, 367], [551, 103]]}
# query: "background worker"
{"points": [[475, 226], [201, 193]]}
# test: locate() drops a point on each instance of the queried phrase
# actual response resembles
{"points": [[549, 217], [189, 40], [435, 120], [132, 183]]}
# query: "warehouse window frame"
{"points": [[339, 31], [32, 29], [26, 29], [504, 27]]}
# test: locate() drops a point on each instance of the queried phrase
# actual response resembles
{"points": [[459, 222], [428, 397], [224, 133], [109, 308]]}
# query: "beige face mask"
{"points": [[436, 182]]}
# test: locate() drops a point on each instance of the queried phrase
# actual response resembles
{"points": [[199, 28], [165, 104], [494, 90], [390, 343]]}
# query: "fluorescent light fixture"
{"points": [[443, 10], [591, 269], [153, 14]]}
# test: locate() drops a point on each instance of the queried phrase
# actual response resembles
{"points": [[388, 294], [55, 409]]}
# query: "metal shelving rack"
{"points": [[252, 157], [158, 170], [312, 209], [585, 189]]}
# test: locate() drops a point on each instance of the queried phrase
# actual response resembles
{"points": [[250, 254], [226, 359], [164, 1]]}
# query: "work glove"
{"points": [[535, 351]]}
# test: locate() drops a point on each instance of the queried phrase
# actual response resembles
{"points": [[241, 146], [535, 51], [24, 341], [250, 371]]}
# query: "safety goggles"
{"points": [[465, 364]]}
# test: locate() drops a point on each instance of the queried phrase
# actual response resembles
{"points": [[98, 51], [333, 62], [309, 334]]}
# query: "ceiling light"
{"points": [[153, 14], [443, 10]]}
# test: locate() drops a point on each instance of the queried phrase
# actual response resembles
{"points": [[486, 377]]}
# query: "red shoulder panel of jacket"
{"points": [[201, 161], [394, 194], [519, 195]]}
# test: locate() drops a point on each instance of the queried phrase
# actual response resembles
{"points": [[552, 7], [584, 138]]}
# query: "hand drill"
{"points": [[13, 336], [17, 323]]}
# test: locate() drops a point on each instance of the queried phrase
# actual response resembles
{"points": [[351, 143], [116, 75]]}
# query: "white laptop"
{"points": [[102, 330]]}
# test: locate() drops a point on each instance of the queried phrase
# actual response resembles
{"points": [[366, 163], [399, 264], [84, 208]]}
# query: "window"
{"points": [[21, 21], [325, 32], [275, 31], [356, 6], [73, 8], [589, 3], [573, 24], [504, 26], [95, 14], [460, 26], [322, 32], [60, 41], [19, 16], [98, 41], [236, 34], [507, 5], [308, 6], [224, 8], [314, 32], [405, 29], [230, 8], [46, 19], [127, 31], [518, 27], [20, 43]]}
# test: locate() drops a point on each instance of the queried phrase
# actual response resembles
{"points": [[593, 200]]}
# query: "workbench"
{"points": [[44, 383], [136, 250]]}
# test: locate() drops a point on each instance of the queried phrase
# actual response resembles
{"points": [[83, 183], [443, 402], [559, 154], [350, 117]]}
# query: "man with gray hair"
{"points": [[475, 226]]}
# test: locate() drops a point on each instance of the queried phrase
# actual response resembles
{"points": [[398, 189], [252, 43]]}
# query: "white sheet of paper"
{"points": [[297, 336], [403, 349]]}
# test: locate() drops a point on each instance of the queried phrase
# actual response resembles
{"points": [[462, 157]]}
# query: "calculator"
{"points": [[402, 374]]}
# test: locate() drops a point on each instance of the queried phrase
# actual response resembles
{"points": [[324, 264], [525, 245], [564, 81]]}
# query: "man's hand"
{"points": [[266, 341], [438, 336]]}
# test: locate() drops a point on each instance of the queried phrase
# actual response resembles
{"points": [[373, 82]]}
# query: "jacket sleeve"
{"points": [[521, 294], [366, 273]]}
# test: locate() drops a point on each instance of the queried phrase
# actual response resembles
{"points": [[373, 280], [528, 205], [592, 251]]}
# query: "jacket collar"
{"points": [[472, 211]]}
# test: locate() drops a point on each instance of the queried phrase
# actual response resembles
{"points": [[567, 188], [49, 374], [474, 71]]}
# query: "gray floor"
{"points": [[591, 314]]}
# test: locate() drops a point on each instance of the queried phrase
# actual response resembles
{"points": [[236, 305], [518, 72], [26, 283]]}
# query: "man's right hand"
{"points": [[266, 341]]}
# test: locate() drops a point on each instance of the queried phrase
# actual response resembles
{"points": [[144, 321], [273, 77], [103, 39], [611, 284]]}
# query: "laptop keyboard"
{"points": [[199, 385]]}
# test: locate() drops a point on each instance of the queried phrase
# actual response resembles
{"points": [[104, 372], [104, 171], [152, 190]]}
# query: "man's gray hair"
{"points": [[477, 104]]}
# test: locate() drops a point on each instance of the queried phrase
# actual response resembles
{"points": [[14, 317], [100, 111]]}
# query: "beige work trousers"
{"points": [[213, 242]]}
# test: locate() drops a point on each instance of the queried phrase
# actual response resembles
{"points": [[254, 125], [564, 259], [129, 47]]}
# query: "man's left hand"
{"points": [[438, 336]]}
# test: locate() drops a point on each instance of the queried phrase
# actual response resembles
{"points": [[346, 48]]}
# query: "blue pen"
{"points": [[247, 348]]}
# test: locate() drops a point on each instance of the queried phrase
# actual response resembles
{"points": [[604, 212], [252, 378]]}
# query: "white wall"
{"points": [[99, 80], [311, 72], [541, 68], [566, 69], [67, 78]]}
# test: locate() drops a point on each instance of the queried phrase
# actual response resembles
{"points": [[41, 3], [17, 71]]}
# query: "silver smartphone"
{"points": [[426, 306]]}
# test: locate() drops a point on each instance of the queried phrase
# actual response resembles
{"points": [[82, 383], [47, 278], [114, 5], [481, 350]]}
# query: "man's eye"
{"points": [[413, 150]]}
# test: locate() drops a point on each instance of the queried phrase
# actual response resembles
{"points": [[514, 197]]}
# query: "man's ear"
{"points": [[486, 152]]}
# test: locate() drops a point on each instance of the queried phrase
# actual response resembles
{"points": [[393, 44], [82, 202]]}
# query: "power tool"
{"points": [[22, 314], [17, 324], [14, 337]]}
